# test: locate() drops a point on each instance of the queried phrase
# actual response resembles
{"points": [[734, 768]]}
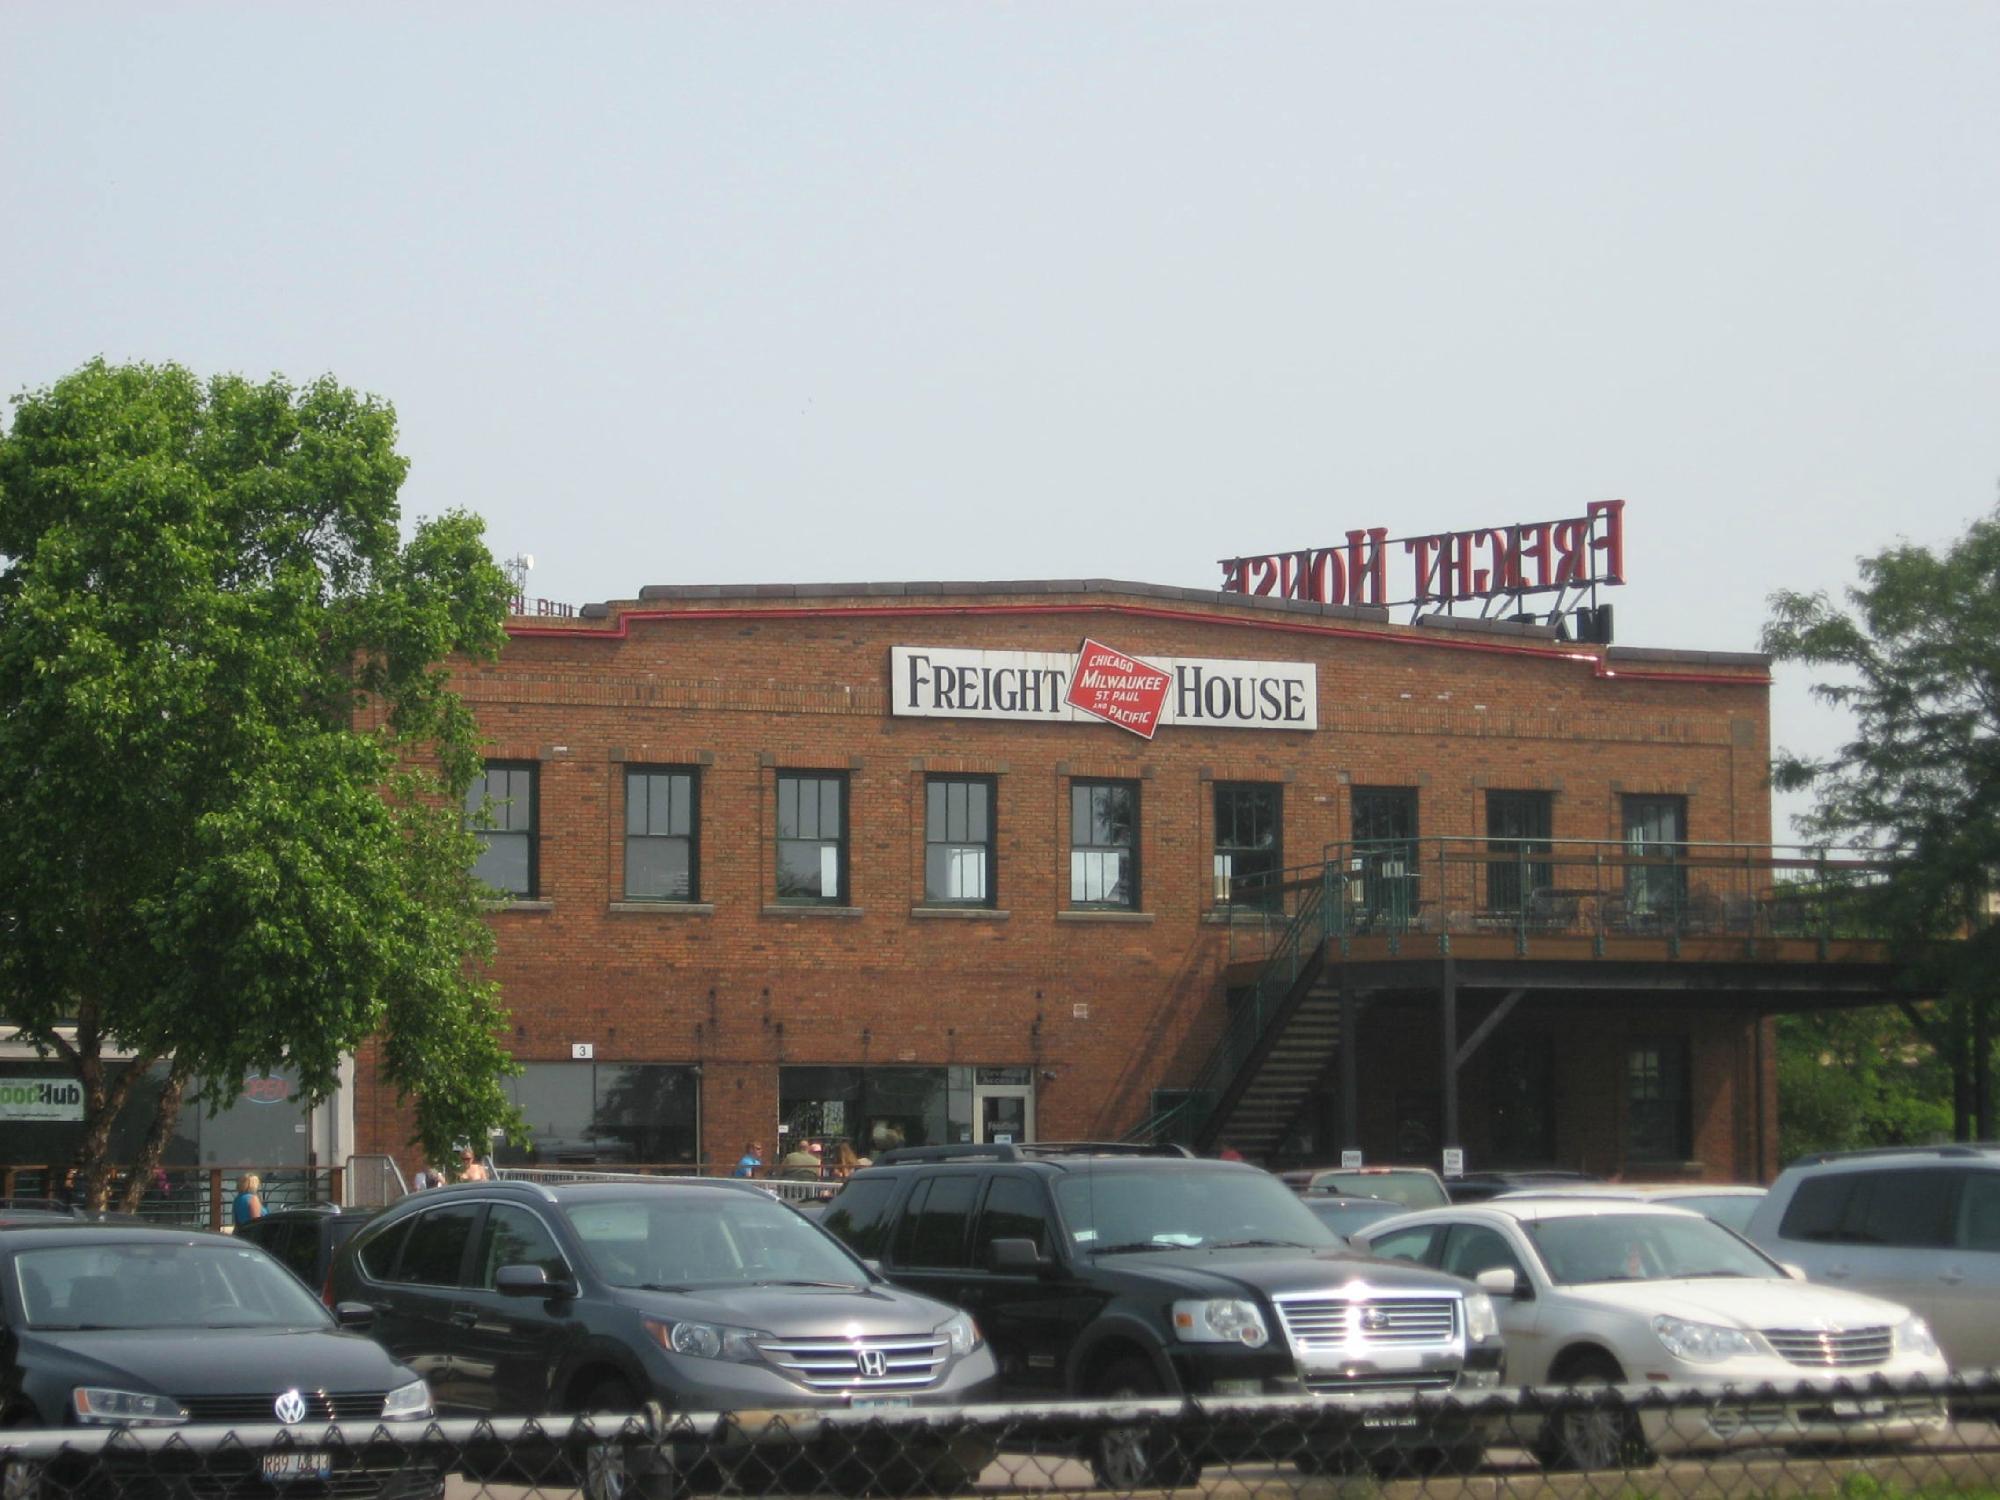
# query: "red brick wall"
{"points": [[1104, 1010]]}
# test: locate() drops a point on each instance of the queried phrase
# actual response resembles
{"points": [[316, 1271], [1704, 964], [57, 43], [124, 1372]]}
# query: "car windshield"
{"points": [[161, 1286], [1113, 1211], [1345, 1215], [1411, 1189], [673, 1241], [1583, 1248], [1730, 1210]]}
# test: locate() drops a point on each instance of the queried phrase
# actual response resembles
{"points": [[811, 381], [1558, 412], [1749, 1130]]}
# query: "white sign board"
{"points": [[581, 1050], [1350, 1160], [1454, 1161], [945, 682], [41, 1099]]}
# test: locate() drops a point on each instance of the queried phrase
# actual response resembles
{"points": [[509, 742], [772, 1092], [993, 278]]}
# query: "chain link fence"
{"points": [[1866, 1440]]}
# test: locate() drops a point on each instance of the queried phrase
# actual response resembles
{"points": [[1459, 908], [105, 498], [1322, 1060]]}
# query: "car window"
{"points": [[670, 1238], [378, 1253], [1817, 1208], [436, 1249], [151, 1285], [1472, 1248], [1909, 1208], [1014, 1210], [1411, 1189], [860, 1215], [1413, 1243], [1114, 1211], [1584, 1248], [938, 1228], [297, 1245], [514, 1236], [1978, 1226], [1730, 1210]]}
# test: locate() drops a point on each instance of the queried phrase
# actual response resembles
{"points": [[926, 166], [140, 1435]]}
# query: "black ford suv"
{"points": [[1107, 1271]]}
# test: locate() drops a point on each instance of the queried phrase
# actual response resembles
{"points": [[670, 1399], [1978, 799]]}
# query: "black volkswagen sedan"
{"points": [[159, 1328], [524, 1299]]}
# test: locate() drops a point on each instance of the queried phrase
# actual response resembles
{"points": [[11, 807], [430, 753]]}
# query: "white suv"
{"points": [[1919, 1225]]}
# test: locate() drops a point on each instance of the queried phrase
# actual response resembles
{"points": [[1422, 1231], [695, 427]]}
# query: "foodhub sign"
{"points": [[1139, 694]]}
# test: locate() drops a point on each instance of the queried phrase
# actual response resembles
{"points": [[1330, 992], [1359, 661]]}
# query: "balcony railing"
{"points": [[1406, 891]]}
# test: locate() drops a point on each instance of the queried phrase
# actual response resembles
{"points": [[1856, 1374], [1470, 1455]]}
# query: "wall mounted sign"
{"points": [[1137, 693], [41, 1099], [1568, 558]]}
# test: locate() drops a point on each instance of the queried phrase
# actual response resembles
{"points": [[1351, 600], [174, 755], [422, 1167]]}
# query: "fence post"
{"points": [[215, 1197]]}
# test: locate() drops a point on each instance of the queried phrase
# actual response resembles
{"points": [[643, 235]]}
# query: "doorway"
{"points": [[1003, 1113]]}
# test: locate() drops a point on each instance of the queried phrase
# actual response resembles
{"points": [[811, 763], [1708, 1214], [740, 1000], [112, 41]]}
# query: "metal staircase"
{"points": [[1270, 1091]]}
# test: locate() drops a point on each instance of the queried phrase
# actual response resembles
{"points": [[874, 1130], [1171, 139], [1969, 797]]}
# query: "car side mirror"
{"points": [[529, 1281], [1504, 1281], [1015, 1255], [356, 1315]]}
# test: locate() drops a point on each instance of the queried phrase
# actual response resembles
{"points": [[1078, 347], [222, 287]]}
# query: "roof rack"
{"points": [[1958, 1149], [1028, 1151]]}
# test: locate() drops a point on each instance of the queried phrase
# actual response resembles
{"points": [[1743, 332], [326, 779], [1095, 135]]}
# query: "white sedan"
{"points": [[1627, 1293]]}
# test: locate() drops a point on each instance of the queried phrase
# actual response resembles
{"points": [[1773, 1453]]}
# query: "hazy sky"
{"points": [[757, 292]]}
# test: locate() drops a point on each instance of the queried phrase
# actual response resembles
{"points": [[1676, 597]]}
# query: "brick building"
{"points": [[839, 862]]}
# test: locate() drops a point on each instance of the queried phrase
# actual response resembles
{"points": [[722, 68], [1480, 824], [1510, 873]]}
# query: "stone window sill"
{"points": [[1089, 914], [961, 913], [664, 908], [775, 909]]}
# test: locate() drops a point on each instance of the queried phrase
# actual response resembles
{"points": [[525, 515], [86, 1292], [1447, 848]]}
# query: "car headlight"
{"points": [[706, 1340], [1481, 1322], [1224, 1320], [961, 1332], [407, 1403], [1702, 1343], [102, 1406], [1914, 1336]]}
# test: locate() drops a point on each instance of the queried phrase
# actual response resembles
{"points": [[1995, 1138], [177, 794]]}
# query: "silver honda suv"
{"points": [[1919, 1225]]}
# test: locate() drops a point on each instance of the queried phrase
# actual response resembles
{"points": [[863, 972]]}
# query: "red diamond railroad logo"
{"points": [[1118, 689]]}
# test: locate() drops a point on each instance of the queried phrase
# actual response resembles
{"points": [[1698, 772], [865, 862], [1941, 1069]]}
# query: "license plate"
{"points": [[1402, 1420], [878, 1400], [282, 1467]]}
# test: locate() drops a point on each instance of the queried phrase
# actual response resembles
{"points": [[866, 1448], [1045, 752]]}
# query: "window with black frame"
{"points": [[1658, 1107], [1385, 842], [662, 839], [1104, 844], [1655, 844], [500, 812], [1518, 825], [958, 841], [1249, 844], [812, 836]]}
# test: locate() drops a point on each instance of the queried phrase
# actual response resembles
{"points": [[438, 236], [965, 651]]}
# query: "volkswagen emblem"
{"points": [[290, 1407], [874, 1363]]}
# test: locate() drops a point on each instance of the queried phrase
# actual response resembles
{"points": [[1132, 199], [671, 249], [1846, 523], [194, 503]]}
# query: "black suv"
{"points": [[1113, 1271], [518, 1298], [305, 1239]]}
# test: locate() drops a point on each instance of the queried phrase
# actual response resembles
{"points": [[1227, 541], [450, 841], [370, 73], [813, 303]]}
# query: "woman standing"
{"points": [[249, 1203]]}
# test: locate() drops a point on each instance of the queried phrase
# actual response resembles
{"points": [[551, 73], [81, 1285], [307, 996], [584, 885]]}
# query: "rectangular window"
{"points": [[1104, 844], [500, 811], [1385, 841], [1658, 1112], [958, 841], [662, 835], [1656, 833], [812, 836], [1518, 825], [1249, 843]]}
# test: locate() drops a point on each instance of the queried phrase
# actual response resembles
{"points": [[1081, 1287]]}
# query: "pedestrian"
{"points": [[249, 1201], [844, 1161], [798, 1165], [66, 1194], [426, 1177], [1229, 1153], [751, 1161], [470, 1168]]}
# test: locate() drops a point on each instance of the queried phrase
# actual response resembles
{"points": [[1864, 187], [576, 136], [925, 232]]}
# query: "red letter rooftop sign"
{"points": [[1118, 689]]}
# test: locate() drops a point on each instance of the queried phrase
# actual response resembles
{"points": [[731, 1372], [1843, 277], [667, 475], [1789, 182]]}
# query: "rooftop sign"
{"points": [[1569, 558], [1101, 682]]}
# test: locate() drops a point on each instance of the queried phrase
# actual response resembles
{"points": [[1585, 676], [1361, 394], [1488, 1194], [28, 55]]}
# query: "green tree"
{"points": [[230, 757], [1854, 1078], [1915, 661]]}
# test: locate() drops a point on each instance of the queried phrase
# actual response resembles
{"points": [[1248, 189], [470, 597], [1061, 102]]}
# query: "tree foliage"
{"points": [[229, 751], [1915, 661]]}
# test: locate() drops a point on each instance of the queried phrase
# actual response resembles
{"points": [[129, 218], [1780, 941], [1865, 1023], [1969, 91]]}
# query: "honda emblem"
{"points": [[874, 1363]]}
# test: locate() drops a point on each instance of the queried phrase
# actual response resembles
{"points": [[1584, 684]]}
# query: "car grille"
{"points": [[1318, 1322], [1321, 1383], [852, 1364], [260, 1406], [1842, 1348]]}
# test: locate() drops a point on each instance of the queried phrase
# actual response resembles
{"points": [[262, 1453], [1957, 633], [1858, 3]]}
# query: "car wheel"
{"points": [[618, 1471], [1603, 1435], [1140, 1457]]}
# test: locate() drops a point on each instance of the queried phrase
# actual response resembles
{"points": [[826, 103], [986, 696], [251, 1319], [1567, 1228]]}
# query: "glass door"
{"points": [[1003, 1114]]}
